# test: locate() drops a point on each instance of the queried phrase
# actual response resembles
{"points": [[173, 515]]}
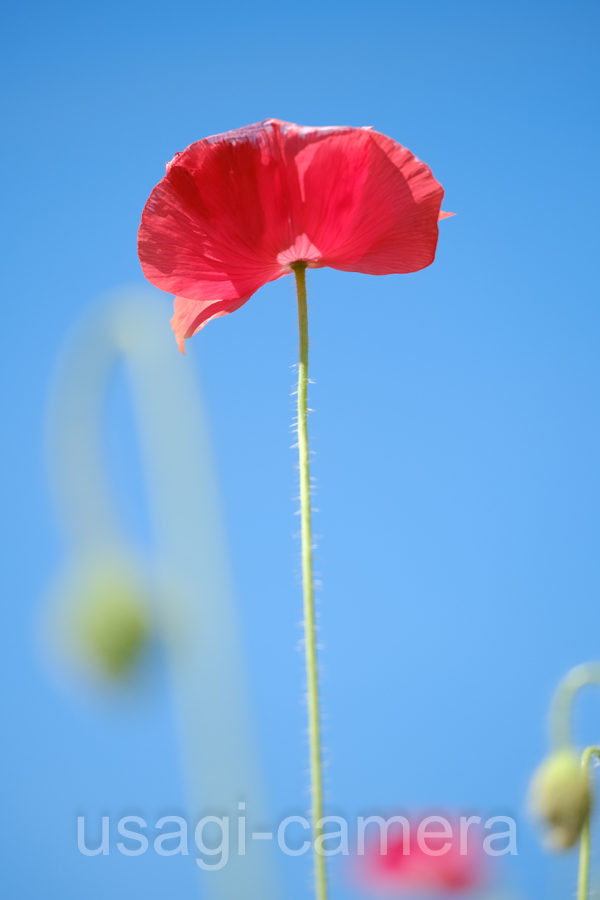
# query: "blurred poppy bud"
{"points": [[560, 797], [111, 625]]}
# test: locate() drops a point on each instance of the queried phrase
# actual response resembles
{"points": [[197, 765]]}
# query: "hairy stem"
{"points": [[310, 644], [584, 840]]}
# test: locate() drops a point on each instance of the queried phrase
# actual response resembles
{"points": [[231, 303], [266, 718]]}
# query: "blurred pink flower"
{"points": [[235, 210], [397, 873]]}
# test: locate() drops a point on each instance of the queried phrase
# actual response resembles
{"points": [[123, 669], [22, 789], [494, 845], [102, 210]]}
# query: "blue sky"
{"points": [[456, 409]]}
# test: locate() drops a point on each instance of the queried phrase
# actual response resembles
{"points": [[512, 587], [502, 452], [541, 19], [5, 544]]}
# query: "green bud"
{"points": [[560, 797], [112, 625]]}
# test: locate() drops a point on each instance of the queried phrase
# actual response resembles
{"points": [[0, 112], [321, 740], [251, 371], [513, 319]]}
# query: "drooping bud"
{"points": [[560, 797], [112, 624]]}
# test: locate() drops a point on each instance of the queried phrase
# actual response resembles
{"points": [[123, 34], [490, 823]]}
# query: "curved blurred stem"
{"points": [[314, 737], [560, 710], [584, 841]]}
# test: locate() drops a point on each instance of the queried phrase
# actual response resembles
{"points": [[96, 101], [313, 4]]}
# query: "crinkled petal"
{"points": [[234, 211], [213, 228], [371, 206], [192, 315]]}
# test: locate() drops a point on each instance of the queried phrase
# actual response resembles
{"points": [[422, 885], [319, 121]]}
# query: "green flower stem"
{"points": [[584, 841], [316, 778], [560, 711]]}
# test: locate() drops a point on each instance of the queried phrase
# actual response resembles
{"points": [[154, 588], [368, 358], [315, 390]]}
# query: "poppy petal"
{"points": [[236, 210], [371, 206], [192, 315]]}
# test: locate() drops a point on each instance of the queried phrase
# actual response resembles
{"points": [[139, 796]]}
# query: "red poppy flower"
{"points": [[417, 872], [234, 211]]}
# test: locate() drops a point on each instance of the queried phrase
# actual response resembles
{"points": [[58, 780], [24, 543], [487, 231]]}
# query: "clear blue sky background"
{"points": [[456, 424]]}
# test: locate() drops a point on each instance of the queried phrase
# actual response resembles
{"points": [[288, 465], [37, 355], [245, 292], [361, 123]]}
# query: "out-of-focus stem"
{"points": [[560, 711]]}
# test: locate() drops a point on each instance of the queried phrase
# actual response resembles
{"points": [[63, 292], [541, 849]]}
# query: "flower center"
{"points": [[302, 250]]}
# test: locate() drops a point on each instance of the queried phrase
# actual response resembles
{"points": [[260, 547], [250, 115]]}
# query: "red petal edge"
{"points": [[192, 315]]}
